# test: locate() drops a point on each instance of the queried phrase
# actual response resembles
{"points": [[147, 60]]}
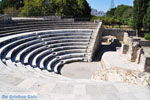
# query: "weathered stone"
{"points": [[126, 37], [124, 49], [147, 64], [119, 33], [134, 46], [123, 75], [139, 53]]}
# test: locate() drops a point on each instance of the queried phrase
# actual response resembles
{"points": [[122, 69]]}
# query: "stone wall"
{"points": [[5, 18], [145, 43], [118, 33], [95, 42]]}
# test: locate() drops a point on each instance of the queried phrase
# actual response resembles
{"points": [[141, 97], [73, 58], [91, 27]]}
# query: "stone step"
{"points": [[44, 25]]}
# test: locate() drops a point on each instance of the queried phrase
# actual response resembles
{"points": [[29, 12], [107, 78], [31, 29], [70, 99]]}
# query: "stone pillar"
{"points": [[147, 64], [134, 46], [126, 37], [139, 53], [124, 48]]}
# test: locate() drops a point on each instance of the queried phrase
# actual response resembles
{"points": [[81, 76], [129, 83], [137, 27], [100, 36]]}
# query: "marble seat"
{"points": [[41, 49], [46, 59], [5, 49], [26, 50], [16, 49], [58, 65]]}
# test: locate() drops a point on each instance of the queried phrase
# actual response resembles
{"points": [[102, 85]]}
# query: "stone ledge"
{"points": [[115, 59]]}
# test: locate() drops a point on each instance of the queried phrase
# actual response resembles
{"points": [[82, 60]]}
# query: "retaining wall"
{"points": [[118, 33], [95, 42], [5, 18]]}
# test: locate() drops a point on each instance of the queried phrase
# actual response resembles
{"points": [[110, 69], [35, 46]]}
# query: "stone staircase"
{"points": [[16, 27]]}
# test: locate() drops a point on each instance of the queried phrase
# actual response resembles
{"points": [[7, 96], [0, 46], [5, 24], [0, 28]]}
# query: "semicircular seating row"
{"points": [[47, 50], [17, 27]]}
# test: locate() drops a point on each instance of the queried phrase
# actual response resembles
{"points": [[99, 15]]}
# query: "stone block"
{"points": [[134, 46], [126, 37], [139, 53], [133, 56], [145, 43], [147, 64], [124, 49]]}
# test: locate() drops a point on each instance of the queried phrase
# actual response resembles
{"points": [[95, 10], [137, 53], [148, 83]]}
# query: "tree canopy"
{"points": [[1, 8], [139, 11], [122, 13], [138, 16], [37, 8], [75, 8], [146, 20], [12, 3]]}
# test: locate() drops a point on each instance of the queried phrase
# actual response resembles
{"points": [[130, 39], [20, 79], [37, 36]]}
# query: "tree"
{"points": [[83, 8], [66, 7], [121, 14], [127, 15], [38, 8], [75, 8], [146, 20], [111, 13], [120, 10], [19, 4], [31, 8], [1, 8], [12, 3], [139, 10], [10, 6]]}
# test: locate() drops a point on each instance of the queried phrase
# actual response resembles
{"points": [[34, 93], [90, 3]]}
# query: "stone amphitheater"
{"points": [[34, 52]]}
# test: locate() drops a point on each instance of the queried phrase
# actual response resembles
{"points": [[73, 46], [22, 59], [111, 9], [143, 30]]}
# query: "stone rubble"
{"points": [[123, 75]]}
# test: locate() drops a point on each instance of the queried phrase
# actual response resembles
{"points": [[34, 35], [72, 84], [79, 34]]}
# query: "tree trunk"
{"points": [[137, 32]]}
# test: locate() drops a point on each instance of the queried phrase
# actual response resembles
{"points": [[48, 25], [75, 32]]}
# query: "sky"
{"points": [[104, 5]]}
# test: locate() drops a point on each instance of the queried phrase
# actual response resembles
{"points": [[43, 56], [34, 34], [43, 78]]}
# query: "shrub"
{"points": [[10, 10], [147, 36]]}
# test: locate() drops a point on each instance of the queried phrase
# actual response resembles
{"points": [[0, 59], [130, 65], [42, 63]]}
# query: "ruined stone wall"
{"points": [[118, 33], [145, 43], [133, 47]]}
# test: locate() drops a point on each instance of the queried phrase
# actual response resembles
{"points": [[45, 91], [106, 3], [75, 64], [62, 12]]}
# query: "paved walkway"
{"points": [[48, 86], [146, 51], [80, 70], [60, 88], [115, 59]]}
